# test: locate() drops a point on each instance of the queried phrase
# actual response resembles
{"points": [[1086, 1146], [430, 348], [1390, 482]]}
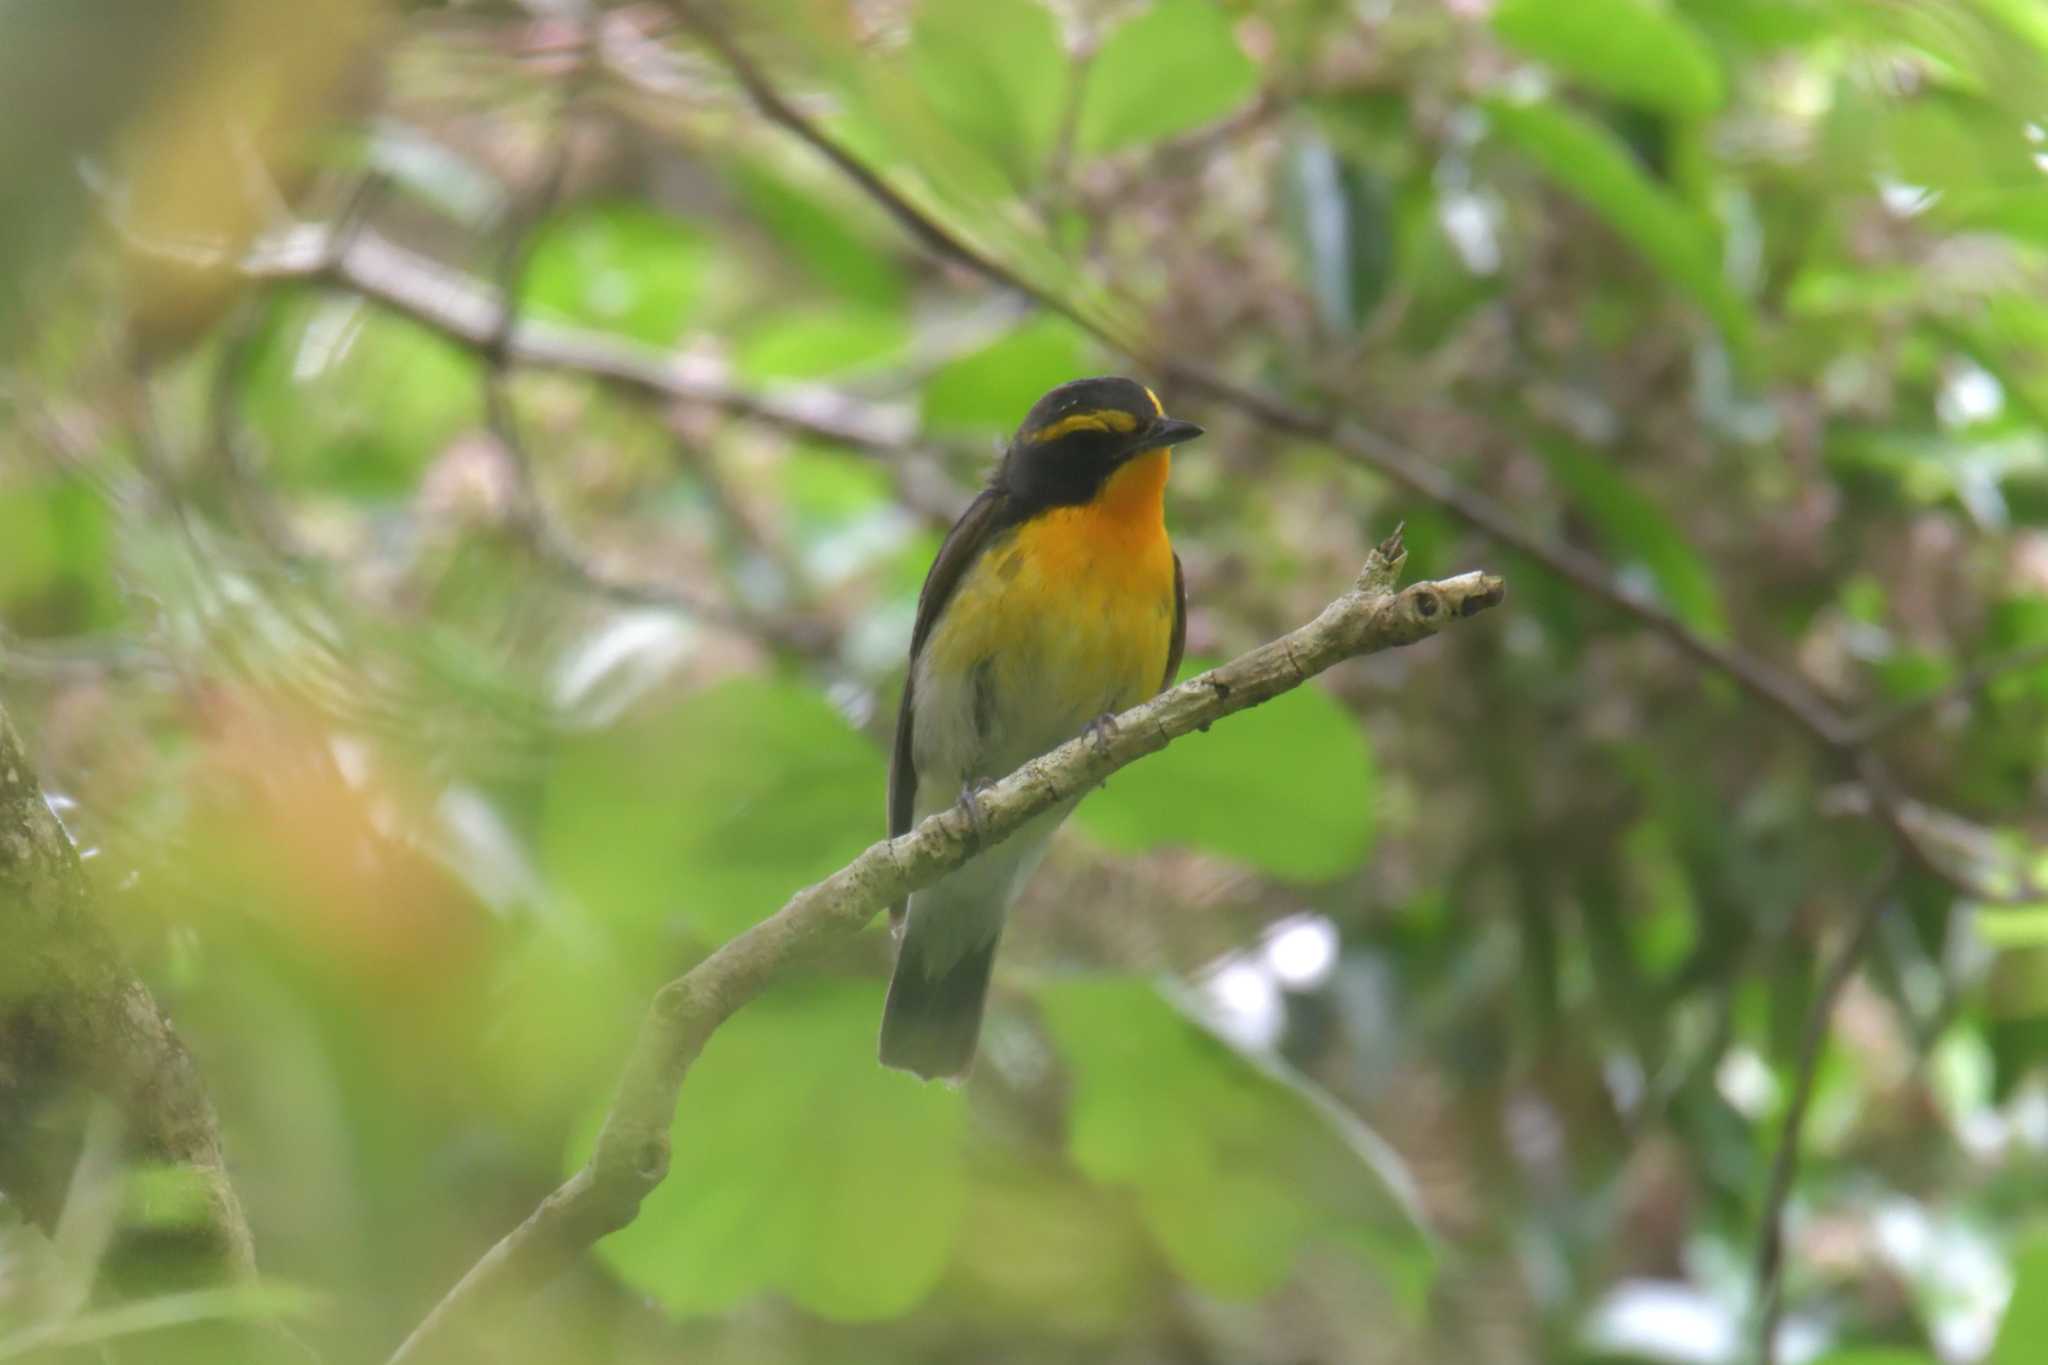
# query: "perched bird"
{"points": [[1055, 602]]}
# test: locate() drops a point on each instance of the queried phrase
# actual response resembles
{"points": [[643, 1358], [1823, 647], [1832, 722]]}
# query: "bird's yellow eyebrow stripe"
{"points": [[1158, 408], [1102, 419]]}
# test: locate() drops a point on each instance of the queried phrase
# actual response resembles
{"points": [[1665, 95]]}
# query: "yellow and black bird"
{"points": [[1056, 600]]}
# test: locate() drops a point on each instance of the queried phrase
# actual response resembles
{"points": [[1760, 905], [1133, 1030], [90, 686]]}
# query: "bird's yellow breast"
{"points": [[1071, 613]]}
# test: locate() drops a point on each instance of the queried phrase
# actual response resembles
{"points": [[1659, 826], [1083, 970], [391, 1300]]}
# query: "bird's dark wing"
{"points": [[1176, 646], [987, 515]]}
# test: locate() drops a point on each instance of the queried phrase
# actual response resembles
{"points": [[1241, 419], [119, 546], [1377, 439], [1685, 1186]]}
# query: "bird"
{"points": [[1055, 601]]}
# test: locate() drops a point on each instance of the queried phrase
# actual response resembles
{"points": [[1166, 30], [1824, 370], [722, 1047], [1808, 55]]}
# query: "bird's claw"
{"points": [[970, 802], [1100, 731]]}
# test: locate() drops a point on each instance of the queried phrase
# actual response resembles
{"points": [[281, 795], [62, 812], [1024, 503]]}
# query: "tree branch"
{"points": [[632, 1152], [73, 1017], [470, 310]]}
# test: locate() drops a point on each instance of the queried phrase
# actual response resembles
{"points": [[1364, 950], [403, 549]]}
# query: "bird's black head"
{"points": [[1075, 437]]}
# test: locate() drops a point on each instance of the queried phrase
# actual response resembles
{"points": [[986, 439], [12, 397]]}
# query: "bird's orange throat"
{"points": [[1114, 546], [1133, 502]]}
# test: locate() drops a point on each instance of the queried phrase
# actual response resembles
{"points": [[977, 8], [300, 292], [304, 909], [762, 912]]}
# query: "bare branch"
{"points": [[468, 310], [632, 1153]]}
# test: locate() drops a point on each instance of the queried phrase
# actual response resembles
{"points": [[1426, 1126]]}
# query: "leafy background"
{"points": [[421, 713]]}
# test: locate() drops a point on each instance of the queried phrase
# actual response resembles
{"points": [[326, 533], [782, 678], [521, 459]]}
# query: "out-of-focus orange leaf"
{"points": [[218, 157], [300, 829]]}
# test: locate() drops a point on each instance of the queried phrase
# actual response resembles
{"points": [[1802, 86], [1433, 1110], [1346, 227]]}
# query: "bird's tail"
{"points": [[932, 1020]]}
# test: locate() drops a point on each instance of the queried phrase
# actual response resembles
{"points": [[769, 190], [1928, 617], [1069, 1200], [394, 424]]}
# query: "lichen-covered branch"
{"points": [[74, 1021], [632, 1152]]}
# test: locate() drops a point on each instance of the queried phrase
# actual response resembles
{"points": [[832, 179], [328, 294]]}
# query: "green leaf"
{"points": [[1287, 787], [165, 1196], [1950, 141], [715, 811], [1665, 934], [1994, 49], [1234, 1170], [2023, 1336], [821, 232], [2019, 927], [1876, 1355], [1763, 24], [1634, 50], [1589, 162], [1634, 528], [1236, 1234], [824, 488], [352, 400], [1174, 67], [818, 342], [57, 571], [992, 388], [995, 72], [2018, 622], [619, 266], [801, 1166], [2018, 212], [1048, 1246]]}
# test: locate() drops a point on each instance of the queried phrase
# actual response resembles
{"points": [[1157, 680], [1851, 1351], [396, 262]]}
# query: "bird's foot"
{"points": [[1101, 730], [970, 802]]}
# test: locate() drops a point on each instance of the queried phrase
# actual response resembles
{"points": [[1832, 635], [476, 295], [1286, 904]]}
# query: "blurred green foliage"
{"points": [[745, 792], [1447, 1010], [804, 1168], [1300, 761]]}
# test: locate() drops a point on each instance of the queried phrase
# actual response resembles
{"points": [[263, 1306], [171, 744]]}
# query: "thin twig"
{"points": [[632, 1152], [1770, 1251]]}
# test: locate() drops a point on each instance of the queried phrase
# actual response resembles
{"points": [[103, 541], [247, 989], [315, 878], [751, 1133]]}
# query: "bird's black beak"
{"points": [[1169, 431]]}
